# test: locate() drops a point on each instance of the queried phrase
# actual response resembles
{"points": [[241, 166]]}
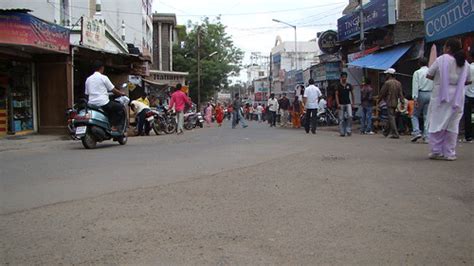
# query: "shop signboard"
{"points": [[93, 33], [354, 56], [19, 28], [377, 14], [327, 42], [449, 19], [327, 71]]}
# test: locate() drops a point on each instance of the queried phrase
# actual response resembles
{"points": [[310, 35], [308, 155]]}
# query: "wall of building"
{"points": [[412, 10], [138, 24]]}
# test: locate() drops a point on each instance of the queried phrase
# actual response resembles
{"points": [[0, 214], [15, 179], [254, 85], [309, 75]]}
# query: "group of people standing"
{"points": [[441, 94]]}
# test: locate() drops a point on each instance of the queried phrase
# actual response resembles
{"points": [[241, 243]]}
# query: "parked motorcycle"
{"points": [[90, 124], [327, 118], [193, 120], [161, 122]]}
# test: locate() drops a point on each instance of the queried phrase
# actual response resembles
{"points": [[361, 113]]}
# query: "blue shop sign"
{"points": [[377, 14], [449, 19]]}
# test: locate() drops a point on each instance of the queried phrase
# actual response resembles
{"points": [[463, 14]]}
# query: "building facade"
{"points": [[393, 37], [284, 74], [164, 37], [128, 19]]}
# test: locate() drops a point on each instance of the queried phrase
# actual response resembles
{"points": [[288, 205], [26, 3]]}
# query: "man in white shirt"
{"points": [[98, 87], [421, 93], [259, 112], [272, 109], [469, 101], [311, 102]]}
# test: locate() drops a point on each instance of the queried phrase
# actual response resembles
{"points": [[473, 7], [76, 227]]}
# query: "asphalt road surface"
{"points": [[218, 196]]}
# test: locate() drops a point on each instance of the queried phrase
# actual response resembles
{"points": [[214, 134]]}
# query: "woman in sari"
{"points": [[296, 114], [450, 73], [219, 114], [208, 114]]}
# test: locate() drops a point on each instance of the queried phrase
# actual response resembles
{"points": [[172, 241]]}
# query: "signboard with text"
{"points": [[327, 42], [24, 29], [377, 14], [449, 19], [93, 33]]}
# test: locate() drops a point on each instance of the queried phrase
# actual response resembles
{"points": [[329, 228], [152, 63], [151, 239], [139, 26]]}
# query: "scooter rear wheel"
{"points": [[88, 141], [122, 140]]}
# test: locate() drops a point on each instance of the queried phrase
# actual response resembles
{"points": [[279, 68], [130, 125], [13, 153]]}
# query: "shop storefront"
{"points": [[17, 95], [33, 67]]}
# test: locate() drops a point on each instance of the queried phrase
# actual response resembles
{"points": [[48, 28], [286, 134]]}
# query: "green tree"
{"points": [[215, 70]]}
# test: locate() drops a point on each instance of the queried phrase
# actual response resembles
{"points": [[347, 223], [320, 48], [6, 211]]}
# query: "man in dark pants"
{"points": [[272, 109], [469, 102], [392, 94], [141, 109], [98, 87], [311, 99]]}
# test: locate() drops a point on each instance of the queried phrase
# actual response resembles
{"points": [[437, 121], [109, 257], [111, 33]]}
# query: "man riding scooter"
{"points": [[98, 87]]}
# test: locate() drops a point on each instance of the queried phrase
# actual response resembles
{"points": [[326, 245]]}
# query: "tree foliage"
{"points": [[215, 70]]}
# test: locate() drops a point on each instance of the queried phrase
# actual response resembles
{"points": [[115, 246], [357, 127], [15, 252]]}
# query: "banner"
{"points": [[449, 19], [93, 33], [377, 14], [24, 29]]}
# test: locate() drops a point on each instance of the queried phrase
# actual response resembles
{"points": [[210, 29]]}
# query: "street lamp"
{"points": [[296, 49]]}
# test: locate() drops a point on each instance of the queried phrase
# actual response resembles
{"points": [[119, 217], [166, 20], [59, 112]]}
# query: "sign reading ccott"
{"points": [[328, 42], [449, 19]]}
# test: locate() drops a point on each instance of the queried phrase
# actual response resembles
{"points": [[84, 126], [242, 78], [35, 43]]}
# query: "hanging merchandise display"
{"points": [[16, 101]]}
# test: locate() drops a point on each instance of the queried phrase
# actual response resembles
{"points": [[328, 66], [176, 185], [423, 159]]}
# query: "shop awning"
{"points": [[381, 60]]}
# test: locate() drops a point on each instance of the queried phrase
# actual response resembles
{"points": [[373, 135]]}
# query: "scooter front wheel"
{"points": [[88, 141]]}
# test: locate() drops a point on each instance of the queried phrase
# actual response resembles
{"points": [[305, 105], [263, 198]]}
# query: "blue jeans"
{"points": [[423, 102], [345, 119], [235, 115], [366, 119], [143, 126]]}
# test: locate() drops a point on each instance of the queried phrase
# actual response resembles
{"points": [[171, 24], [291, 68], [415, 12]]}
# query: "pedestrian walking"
{"points": [[219, 114], [366, 99], [391, 93], [237, 112], [259, 112], [451, 74], [208, 114], [284, 105], [469, 101], [297, 111], [311, 99], [178, 102], [421, 93], [272, 109], [345, 102]]}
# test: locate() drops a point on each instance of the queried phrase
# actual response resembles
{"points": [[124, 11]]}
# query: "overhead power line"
{"points": [[253, 13]]}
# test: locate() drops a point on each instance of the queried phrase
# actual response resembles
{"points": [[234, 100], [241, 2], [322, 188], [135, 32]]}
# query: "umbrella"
{"points": [[433, 55]]}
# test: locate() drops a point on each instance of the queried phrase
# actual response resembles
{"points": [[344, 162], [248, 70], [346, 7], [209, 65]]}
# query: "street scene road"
{"points": [[224, 196]]}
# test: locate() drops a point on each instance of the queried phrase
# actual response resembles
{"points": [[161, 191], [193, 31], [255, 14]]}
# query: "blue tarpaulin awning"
{"points": [[381, 60]]}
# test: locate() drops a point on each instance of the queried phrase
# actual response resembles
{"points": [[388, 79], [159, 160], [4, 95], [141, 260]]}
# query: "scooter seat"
{"points": [[95, 107]]}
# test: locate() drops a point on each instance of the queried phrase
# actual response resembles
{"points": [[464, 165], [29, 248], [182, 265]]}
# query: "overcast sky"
{"points": [[250, 22]]}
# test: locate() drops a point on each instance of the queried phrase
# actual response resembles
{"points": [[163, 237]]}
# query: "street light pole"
{"points": [[199, 67], [296, 46]]}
